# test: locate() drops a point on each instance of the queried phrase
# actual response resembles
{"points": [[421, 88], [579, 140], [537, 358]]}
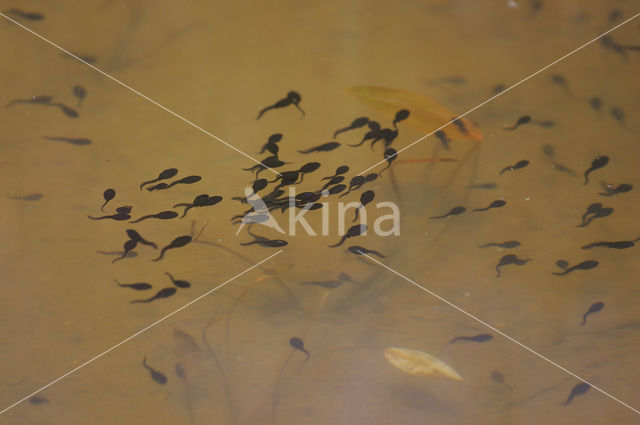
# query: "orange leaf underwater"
{"points": [[426, 115]]}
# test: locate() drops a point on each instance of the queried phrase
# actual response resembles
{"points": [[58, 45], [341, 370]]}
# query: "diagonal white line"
{"points": [[450, 304], [501, 93], [114, 79], [136, 334]]}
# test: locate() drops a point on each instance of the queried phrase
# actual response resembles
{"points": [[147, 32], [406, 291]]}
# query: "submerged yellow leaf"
{"points": [[426, 115], [419, 363]]}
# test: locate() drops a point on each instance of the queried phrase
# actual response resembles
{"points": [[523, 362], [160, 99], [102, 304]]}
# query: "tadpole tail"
{"points": [[148, 300], [498, 271], [584, 319], [185, 211], [346, 193], [70, 112], [585, 223], [262, 111], [307, 151], [148, 243], [586, 177], [102, 207], [147, 182], [561, 273], [356, 217], [364, 139], [120, 258], [344, 238], [99, 218], [161, 256], [144, 217], [441, 216], [342, 130], [380, 173], [480, 209], [378, 254], [304, 114]]}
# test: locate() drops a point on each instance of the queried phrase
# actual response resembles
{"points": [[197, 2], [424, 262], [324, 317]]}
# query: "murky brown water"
{"points": [[217, 65]]}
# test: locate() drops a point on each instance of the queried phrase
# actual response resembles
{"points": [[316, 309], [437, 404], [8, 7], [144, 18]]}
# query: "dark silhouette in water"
{"points": [[178, 283], [80, 93], [272, 144], [163, 293], [164, 215], [475, 338], [518, 165], [356, 230], [117, 217], [176, 243], [595, 307], [343, 169], [614, 245], [293, 98], [507, 244], [453, 211], [495, 204], [298, 344], [498, 378], [30, 197], [139, 286], [356, 123], [74, 141], [599, 162], [159, 377], [510, 259], [390, 155], [365, 198], [326, 147], [594, 210], [372, 134], [166, 174], [108, 195], [32, 16], [579, 389], [522, 120], [360, 250], [585, 265], [138, 238], [401, 115], [355, 183], [609, 190]]}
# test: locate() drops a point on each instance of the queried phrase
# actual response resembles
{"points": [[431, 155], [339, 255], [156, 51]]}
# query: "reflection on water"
{"points": [[302, 337]]}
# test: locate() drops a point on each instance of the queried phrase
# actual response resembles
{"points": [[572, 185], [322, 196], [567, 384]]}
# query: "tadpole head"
{"points": [[342, 169], [309, 167], [294, 96], [275, 138], [168, 173]]}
